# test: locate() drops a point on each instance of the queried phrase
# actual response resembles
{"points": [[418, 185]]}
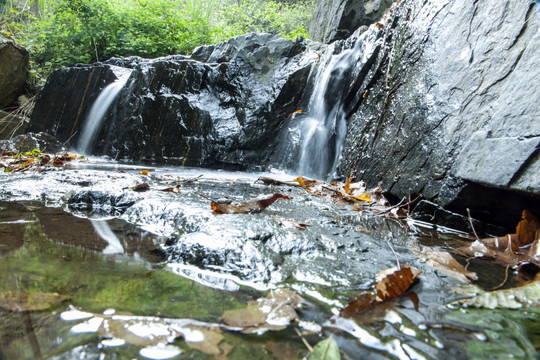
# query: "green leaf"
{"points": [[326, 350]]}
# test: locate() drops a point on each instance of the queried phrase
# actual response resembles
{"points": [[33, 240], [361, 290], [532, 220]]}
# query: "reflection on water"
{"points": [[92, 266], [105, 232]]}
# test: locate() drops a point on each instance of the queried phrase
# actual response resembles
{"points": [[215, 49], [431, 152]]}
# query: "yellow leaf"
{"points": [[363, 197], [347, 186], [527, 227], [144, 172]]}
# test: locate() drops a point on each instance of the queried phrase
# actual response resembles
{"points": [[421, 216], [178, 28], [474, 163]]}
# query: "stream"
{"points": [[91, 269]]}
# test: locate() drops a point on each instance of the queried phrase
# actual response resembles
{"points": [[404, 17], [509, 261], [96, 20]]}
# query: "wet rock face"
{"points": [[13, 71], [337, 20], [449, 115], [220, 107]]}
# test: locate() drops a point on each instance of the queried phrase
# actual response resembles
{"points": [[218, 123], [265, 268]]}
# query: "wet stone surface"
{"points": [[172, 254]]}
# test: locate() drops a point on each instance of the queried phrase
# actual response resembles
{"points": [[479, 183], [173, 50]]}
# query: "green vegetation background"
{"points": [[66, 32]]}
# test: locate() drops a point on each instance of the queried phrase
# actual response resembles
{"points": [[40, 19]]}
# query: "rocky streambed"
{"points": [[92, 268]]}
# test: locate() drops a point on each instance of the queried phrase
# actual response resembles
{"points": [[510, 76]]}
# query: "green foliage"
{"points": [[66, 32], [288, 19]]}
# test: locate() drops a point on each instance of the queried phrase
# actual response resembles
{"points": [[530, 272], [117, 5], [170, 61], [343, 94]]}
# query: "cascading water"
{"points": [[97, 113], [323, 130]]}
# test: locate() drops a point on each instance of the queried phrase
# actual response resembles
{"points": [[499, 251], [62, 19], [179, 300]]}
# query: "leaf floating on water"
{"points": [[247, 207], [144, 172], [35, 301], [274, 312], [326, 349], [445, 263], [392, 283], [141, 187]]}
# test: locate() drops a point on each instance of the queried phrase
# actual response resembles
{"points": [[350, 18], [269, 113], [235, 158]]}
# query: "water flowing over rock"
{"points": [[222, 106], [436, 98]]}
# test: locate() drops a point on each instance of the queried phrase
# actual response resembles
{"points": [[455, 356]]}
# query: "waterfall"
{"points": [[97, 113], [322, 131]]}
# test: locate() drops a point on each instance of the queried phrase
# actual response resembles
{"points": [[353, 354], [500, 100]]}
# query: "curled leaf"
{"points": [[248, 207], [527, 227]]}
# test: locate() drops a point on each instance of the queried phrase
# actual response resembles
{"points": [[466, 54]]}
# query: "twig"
{"points": [[472, 226], [395, 254], [193, 179], [504, 281], [400, 204], [303, 339]]}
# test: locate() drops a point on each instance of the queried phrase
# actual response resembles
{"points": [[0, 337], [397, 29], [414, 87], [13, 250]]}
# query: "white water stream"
{"points": [[97, 113], [323, 130]]}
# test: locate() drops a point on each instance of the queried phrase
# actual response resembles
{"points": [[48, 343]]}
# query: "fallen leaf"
{"points": [[144, 172], [394, 282], [248, 207], [326, 349], [172, 189], [273, 312], [527, 227], [445, 263], [141, 187], [290, 222], [294, 113]]}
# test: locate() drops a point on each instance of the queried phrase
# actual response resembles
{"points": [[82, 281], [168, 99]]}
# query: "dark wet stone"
{"points": [[101, 202], [221, 107], [338, 19]]}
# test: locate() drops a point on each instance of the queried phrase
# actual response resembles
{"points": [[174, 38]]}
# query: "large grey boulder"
{"points": [[221, 107], [454, 109], [338, 19], [13, 71]]}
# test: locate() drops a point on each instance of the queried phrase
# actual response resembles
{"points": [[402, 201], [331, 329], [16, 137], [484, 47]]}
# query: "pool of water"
{"points": [[91, 269]]}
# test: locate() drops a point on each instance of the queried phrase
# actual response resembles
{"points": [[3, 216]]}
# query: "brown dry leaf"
{"points": [[270, 181], [141, 187], [247, 207], [22, 301], [45, 160], [172, 189], [394, 282], [445, 263], [527, 228], [347, 186], [273, 312], [290, 222]]}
